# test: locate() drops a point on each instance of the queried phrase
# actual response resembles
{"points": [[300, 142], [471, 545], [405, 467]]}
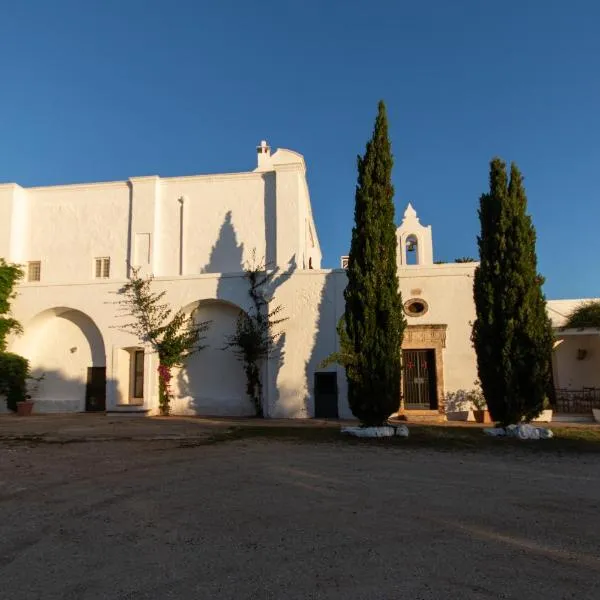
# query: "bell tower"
{"points": [[415, 242]]}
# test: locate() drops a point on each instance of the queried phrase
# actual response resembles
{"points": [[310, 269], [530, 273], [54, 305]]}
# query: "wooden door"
{"points": [[95, 389]]}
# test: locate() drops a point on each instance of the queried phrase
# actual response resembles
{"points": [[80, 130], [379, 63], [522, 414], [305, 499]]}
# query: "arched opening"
{"points": [[212, 381], [66, 346], [411, 247]]}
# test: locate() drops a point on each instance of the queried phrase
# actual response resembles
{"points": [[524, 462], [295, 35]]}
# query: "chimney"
{"points": [[264, 156]]}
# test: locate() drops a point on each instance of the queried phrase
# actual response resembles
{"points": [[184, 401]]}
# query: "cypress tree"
{"points": [[373, 318], [512, 333]]}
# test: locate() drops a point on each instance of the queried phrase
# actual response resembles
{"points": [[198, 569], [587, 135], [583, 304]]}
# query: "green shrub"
{"points": [[14, 371], [585, 315]]}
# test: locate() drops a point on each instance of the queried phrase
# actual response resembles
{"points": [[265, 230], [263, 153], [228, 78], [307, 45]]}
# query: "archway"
{"points": [[212, 382], [411, 247], [66, 346]]}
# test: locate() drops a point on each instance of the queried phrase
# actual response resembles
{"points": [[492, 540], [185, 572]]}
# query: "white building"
{"points": [[195, 235]]}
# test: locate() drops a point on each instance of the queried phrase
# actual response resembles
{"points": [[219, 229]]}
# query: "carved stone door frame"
{"points": [[429, 337]]}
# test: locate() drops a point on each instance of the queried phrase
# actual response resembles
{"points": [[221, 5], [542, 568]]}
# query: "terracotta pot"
{"points": [[482, 416], [24, 408]]}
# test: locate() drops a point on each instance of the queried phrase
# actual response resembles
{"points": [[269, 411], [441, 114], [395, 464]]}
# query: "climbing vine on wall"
{"points": [[173, 336], [255, 337]]}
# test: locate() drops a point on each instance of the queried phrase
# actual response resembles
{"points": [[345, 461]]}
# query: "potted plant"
{"points": [[457, 405], [25, 407], [480, 411]]}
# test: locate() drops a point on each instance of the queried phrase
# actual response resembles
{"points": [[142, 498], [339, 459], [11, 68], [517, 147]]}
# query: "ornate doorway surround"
{"points": [[429, 337]]}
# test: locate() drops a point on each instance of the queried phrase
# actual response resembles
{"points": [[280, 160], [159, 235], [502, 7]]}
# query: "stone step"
{"points": [[416, 416]]}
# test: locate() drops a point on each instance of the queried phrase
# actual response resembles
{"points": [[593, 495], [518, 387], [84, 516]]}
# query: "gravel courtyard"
{"points": [[259, 518]]}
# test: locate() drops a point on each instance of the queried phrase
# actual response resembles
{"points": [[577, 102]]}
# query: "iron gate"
{"points": [[419, 382]]}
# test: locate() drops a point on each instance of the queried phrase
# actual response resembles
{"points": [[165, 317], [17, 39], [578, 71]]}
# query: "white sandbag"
{"points": [[495, 431], [524, 431], [377, 432], [402, 431]]}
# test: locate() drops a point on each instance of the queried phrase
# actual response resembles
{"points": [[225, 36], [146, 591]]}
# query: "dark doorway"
{"points": [[95, 389], [326, 396], [420, 389]]}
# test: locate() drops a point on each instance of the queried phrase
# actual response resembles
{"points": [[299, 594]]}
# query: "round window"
{"points": [[415, 307]]}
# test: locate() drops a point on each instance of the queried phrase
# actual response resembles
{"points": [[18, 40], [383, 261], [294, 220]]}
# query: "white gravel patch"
{"points": [[523, 432], [377, 432]]}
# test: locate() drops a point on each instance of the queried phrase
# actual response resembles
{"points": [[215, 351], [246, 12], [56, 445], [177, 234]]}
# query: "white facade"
{"points": [[195, 235]]}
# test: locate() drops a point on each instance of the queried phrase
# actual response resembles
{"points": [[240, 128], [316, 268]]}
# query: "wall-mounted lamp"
{"points": [[581, 354]]}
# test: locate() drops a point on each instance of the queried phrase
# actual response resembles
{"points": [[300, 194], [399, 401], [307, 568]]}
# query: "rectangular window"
{"points": [[34, 271], [102, 268], [138, 374]]}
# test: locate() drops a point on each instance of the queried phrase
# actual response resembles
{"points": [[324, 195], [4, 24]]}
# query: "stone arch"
{"points": [[412, 250], [62, 343], [212, 382]]}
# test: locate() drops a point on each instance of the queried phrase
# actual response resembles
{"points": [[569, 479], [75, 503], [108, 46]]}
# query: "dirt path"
{"points": [[265, 519]]}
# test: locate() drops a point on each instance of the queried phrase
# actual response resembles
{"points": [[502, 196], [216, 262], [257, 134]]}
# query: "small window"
{"points": [[34, 271], [102, 268], [415, 307], [138, 374]]}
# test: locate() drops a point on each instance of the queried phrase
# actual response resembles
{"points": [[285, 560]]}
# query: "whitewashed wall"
{"points": [[168, 227], [448, 291]]}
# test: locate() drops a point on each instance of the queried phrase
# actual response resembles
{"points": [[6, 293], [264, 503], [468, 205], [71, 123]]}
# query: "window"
{"points": [[34, 271], [102, 268], [344, 262], [415, 307], [138, 374]]}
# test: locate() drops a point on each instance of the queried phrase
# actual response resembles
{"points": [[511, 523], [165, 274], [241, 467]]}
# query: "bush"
{"points": [[14, 371], [585, 315]]}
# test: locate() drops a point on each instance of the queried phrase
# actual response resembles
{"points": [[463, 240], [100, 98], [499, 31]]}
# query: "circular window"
{"points": [[415, 307]]}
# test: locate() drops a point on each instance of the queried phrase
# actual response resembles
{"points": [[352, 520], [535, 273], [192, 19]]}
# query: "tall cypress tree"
{"points": [[512, 333], [374, 319]]}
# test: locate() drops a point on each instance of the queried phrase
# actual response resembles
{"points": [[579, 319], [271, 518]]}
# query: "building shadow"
{"points": [[58, 393]]}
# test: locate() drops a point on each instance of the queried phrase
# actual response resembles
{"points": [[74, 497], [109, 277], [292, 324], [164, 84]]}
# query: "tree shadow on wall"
{"points": [[226, 255], [276, 360], [325, 342], [226, 289]]}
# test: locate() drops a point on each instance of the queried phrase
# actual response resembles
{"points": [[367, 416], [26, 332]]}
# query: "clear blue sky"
{"points": [[94, 91]]}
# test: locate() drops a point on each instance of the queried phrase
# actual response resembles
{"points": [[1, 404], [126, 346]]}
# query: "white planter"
{"points": [[460, 415], [544, 417]]}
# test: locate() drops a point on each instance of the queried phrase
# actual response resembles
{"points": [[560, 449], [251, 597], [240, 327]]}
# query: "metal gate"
{"points": [[419, 384]]}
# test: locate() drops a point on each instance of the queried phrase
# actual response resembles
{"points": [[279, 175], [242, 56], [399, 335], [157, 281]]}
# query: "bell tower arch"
{"points": [[415, 242]]}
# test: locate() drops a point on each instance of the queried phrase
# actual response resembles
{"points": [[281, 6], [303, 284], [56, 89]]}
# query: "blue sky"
{"points": [[94, 91]]}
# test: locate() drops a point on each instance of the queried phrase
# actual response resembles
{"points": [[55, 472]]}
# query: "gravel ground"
{"points": [[270, 519]]}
